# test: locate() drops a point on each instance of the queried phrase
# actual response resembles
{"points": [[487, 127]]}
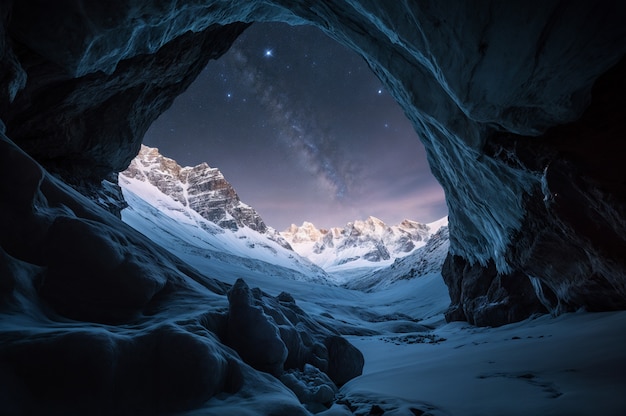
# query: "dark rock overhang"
{"points": [[499, 92]]}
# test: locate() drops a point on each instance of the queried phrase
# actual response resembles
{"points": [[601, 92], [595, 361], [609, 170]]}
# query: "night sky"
{"points": [[303, 130]]}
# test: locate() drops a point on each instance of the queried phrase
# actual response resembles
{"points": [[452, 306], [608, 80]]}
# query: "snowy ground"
{"points": [[569, 365], [417, 364]]}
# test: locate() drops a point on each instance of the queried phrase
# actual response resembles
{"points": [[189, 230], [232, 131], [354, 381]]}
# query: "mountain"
{"points": [[197, 211], [200, 210], [369, 243], [200, 188], [423, 261]]}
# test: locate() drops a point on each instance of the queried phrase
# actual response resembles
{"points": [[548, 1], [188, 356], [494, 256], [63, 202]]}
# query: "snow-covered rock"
{"points": [[245, 252], [313, 388], [252, 333], [423, 261], [201, 188], [369, 243]]}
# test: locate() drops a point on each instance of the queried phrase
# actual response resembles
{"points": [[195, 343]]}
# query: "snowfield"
{"points": [[569, 365], [415, 362]]}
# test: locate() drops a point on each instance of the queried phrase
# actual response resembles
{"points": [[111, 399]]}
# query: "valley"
{"points": [[393, 311]]}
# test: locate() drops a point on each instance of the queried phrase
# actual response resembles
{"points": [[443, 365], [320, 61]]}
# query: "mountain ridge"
{"points": [[202, 191], [202, 188], [359, 243]]}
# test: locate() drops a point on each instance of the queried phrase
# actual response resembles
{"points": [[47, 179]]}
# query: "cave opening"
{"points": [[96, 315], [303, 130]]}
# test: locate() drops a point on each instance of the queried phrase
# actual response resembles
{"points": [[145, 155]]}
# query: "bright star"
{"points": [[380, 91], [229, 95], [269, 53]]}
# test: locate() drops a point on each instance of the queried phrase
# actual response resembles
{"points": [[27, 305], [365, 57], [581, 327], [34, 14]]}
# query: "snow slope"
{"points": [[565, 366], [184, 232], [423, 261]]}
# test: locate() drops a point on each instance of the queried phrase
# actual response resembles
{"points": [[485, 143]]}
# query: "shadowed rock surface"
{"points": [[523, 147], [520, 106], [100, 317]]}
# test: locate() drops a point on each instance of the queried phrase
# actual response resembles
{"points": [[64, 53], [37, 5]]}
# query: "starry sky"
{"points": [[303, 130]]}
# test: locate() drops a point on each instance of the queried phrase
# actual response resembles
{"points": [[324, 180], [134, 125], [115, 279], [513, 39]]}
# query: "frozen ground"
{"points": [[415, 363], [570, 365]]}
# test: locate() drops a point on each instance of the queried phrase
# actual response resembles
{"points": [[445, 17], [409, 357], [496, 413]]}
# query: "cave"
{"points": [[520, 106]]}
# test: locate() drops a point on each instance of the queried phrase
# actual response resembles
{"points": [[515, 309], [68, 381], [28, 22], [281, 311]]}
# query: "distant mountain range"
{"points": [[201, 198], [359, 243]]}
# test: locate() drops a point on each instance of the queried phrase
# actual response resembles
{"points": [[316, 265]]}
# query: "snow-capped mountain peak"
{"points": [[201, 197], [361, 243], [307, 232], [173, 205], [203, 188]]}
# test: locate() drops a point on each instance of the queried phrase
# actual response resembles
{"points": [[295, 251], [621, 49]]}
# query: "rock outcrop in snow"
{"points": [[359, 243]]}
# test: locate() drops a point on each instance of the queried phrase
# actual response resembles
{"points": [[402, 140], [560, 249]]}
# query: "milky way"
{"points": [[299, 132], [303, 130]]}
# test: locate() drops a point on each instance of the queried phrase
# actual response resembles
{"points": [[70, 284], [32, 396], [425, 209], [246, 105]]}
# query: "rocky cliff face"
{"points": [[371, 240], [425, 260], [519, 104], [202, 188]]}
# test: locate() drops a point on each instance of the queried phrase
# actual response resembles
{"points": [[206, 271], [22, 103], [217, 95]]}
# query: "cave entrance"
{"points": [[303, 130]]}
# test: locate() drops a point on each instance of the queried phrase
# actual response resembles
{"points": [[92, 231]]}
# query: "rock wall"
{"points": [[499, 92]]}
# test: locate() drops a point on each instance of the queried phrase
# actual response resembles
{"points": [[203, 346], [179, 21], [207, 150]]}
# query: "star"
{"points": [[228, 95], [269, 53], [380, 91]]}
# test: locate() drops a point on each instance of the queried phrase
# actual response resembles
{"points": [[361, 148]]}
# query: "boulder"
{"points": [[253, 334], [92, 275], [312, 387], [345, 361]]}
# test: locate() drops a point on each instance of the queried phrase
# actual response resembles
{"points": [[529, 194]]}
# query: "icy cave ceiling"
{"points": [[519, 105]]}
